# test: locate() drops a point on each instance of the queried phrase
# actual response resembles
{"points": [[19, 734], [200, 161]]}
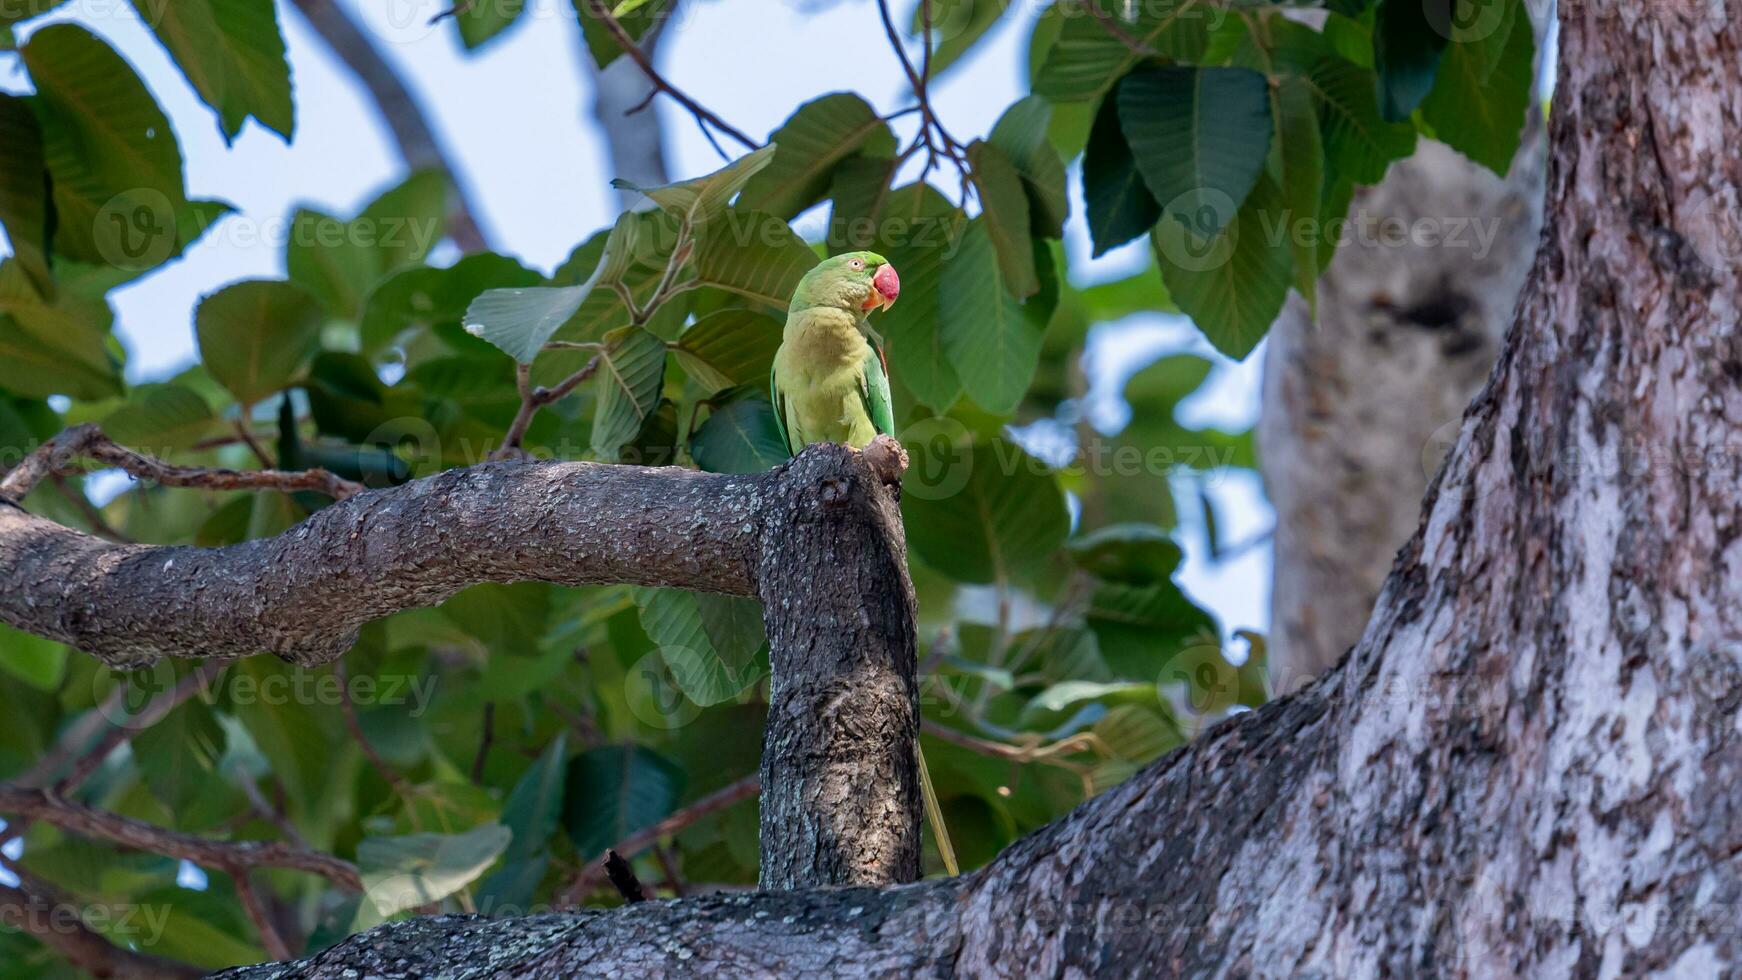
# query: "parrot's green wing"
{"points": [[874, 386], [779, 400]]}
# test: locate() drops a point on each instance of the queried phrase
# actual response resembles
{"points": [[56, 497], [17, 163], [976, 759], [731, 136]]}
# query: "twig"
{"points": [[532, 399], [668, 865], [33, 908], [1037, 752], [229, 856], [484, 742], [82, 730], [248, 438], [1111, 25], [639, 841], [267, 811], [944, 144], [349, 710], [89, 442], [257, 914], [704, 118], [622, 877], [411, 131]]}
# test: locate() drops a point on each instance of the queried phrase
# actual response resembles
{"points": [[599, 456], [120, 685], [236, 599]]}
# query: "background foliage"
{"points": [[481, 754]]}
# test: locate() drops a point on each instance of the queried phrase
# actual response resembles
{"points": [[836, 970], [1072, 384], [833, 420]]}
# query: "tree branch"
{"points": [[704, 117], [411, 131], [55, 457], [235, 857]]}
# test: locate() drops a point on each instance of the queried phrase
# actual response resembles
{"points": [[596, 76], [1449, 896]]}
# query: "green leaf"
{"points": [[521, 321], [401, 873], [756, 255], [1132, 554], [984, 515], [38, 662], [59, 348], [1233, 283], [1021, 133], [1407, 41], [740, 437], [956, 27], [860, 193], [160, 418], [1094, 48], [924, 236], [534, 808], [1300, 157], [729, 347], [1359, 145], [702, 199], [19, 11], [1004, 216], [991, 340], [709, 643], [1199, 136], [1138, 733], [232, 54], [406, 220], [631, 374], [1118, 203], [297, 738], [1139, 627], [505, 619], [324, 258], [615, 790], [424, 298], [637, 21], [809, 145], [178, 756], [481, 22], [114, 159], [255, 336], [1478, 103], [24, 190], [340, 261]]}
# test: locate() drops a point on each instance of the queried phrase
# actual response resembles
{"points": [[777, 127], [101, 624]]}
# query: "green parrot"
{"points": [[830, 383]]}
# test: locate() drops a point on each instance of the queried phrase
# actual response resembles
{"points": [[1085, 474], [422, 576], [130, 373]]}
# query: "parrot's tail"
{"points": [[935, 814]]}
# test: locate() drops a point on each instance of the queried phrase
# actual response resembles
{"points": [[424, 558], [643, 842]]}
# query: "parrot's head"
{"points": [[860, 281]]}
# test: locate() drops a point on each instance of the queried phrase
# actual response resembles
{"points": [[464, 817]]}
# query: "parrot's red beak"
{"points": [[885, 287]]}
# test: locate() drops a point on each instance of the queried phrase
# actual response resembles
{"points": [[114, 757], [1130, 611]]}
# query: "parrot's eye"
{"points": [[855, 264]]}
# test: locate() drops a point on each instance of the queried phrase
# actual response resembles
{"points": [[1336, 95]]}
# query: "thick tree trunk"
{"points": [[1361, 403], [1527, 766]]}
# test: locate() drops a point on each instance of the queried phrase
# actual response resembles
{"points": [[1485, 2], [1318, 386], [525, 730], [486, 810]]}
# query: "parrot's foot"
{"points": [[888, 460]]}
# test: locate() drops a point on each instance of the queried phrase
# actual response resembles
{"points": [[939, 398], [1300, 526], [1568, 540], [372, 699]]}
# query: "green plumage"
{"points": [[829, 382]]}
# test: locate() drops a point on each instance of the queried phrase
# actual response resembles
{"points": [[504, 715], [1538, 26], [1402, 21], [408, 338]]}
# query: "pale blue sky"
{"points": [[516, 120]]}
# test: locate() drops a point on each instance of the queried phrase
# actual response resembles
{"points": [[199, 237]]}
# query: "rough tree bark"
{"points": [[1360, 404], [1527, 766], [819, 541]]}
